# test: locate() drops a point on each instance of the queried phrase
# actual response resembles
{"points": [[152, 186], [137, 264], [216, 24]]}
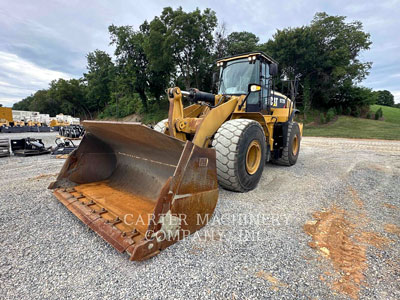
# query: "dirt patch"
{"points": [[132, 118], [391, 206], [340, 237], [129, 118], [196, 250], [43, 176], [392, 228], [276, 284], [356, 199], [331, 233], [373, 239], [379, 168]]}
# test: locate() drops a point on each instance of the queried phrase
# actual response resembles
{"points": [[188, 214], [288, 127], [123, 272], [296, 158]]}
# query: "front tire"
{"points": [[240, 146]]}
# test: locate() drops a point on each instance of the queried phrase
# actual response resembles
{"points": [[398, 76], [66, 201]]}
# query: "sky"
{"points": [[45, 40]]}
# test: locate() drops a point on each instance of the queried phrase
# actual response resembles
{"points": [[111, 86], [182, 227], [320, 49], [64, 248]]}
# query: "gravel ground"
{"points": [[255, 246]]}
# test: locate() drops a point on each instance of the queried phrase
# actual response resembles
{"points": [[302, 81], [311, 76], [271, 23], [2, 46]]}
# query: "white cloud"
{"points": [[20, 78], [396, 95], [22, 69], [8, 102]]}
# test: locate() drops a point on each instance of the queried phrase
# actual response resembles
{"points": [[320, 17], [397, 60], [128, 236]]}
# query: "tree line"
{"points": [[179, 48]]}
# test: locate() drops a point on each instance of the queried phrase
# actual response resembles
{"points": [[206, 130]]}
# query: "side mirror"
{"points": [[253, 87], [273, 69]]}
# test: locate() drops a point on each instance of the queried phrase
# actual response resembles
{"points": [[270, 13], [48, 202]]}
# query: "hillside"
{"points": [[390, 114], [351, 127]]}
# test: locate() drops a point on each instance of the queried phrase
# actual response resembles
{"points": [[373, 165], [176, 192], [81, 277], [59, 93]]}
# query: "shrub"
{"points": [[123, 107], [339, 110], [364, 110], [378, 114], [357, 112], [347, 111], [322, 119], [330, 114], [369, 115]]}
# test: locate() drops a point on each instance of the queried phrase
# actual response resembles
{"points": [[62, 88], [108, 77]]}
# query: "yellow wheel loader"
{"points": [[57, 123], [143, 189]]}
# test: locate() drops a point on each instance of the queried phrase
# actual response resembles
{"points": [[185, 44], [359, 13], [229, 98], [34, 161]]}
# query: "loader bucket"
{"points": [[139, 189]]}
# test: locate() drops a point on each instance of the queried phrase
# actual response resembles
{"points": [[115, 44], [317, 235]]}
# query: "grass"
{"points": [[390, 114], [351, 127]]}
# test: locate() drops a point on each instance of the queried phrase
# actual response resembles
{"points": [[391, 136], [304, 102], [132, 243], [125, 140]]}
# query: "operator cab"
{"points": [[238, 72]]}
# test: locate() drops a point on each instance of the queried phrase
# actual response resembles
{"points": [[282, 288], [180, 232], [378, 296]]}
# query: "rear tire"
{"points": [[291, 152], [240, 146], [160, 126]]}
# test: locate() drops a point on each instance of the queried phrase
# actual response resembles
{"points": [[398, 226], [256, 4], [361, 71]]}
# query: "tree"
{"points": [[241, 42], [356, 97], [221, 42], [190, 36], [131, 61], [326, 53], [99, 80], [385, 98], [42, 102], [62, 96], [24, 104], [179, 48], [160, 56], [68, 97]]}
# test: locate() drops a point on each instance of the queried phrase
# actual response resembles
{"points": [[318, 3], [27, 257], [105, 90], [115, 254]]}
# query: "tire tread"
{"points": [[226, 142]]}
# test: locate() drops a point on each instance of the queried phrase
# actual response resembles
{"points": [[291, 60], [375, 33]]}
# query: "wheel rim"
{"points": [[253, 157], [295, 146]]}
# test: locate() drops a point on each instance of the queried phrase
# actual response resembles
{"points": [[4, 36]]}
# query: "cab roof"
{"points": [[247, 54]]}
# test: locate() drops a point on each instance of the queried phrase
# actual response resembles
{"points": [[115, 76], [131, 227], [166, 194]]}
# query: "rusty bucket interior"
{"points": [[139, 189]]}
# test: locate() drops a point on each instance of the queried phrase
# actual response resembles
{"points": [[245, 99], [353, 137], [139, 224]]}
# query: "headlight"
{"points": [[255, 88]]}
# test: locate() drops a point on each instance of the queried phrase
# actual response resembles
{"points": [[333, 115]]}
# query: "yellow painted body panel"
{"points": [[203, 122], [33, 123], [6, 114], [54, 123], [212, 122]]}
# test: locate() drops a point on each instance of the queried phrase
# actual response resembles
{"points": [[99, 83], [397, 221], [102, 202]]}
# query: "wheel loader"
{"points": [[143, 190]]}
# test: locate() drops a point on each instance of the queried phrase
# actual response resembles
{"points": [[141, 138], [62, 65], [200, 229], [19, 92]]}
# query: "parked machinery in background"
{"points": [[28, 147], [4, 147], [4, 122], [72, 131], [58, 124], [63, 146]]}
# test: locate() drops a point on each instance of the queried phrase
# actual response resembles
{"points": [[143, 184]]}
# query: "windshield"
{"points": [[236, 76]]}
